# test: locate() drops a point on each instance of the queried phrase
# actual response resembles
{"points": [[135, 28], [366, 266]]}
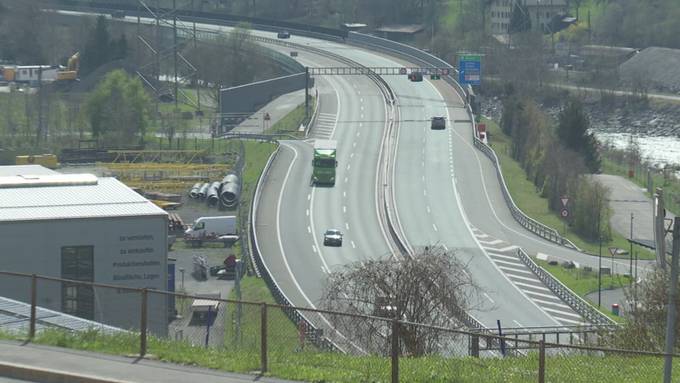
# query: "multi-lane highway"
{"points": [[352, 111], [446, 193], [427, 199]]}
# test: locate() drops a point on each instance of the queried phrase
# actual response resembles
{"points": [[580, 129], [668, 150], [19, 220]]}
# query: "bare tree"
{"points": [[430, 288], [646, 324]]}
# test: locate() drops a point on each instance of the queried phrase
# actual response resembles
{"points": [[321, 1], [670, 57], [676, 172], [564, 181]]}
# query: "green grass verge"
{"points": [[534, 205], [330, 367], [584, 282], [671, 186], [290, 124]]}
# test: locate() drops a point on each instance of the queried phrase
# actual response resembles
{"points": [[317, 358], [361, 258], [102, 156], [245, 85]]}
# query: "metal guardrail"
{"points": [[311, 331], [527, 222], [412, 53], [578, 304]]}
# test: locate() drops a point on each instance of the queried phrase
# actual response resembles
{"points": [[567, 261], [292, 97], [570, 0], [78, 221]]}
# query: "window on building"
{"points": [[77, 263]]}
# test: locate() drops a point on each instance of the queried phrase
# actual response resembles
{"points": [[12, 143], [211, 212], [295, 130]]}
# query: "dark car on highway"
{"points": [[438, 123], [283, 35], [332, 237]]}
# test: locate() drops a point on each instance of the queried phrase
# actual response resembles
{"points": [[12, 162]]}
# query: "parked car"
{"points": [[438, 123], [332, 237], [283, 35]]}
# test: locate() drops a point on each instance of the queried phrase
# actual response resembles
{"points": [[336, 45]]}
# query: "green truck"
{"points": [[324, 163]]}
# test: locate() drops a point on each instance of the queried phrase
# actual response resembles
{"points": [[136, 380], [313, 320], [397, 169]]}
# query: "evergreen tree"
{"points": [[98, 47], [573, 133], [520, 21], [119, 48]]}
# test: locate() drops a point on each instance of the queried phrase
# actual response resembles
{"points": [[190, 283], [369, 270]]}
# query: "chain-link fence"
{"points": [[209, 331]]}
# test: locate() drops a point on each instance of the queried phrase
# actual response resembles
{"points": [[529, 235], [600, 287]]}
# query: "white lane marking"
{"points": [[423, 178], [307, 212], [346, 226], [513, 270], [354, 144], [489, 298], [533, 293], [552, 303], [361, 99], [562, 313], [446, 249], [323, 270], [345, 179], [422, 163], [309, 230], [353, 245], [362, 116], [425, 192], [493, 210], [309, 196], [314, 248], [527, 285], [428, 208], [358, 133], [344, 194], [278, 230], [504, 249], [571, 321], [351, 155], [517, 323], [348, 166], [435, 227], [494, 242], [344, 209], [362, 108], [534, 279], [510, 257], [361, 124]]}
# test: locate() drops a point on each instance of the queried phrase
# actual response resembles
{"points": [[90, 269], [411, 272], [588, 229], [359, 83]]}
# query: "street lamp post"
{"points": [[599, 265], [631, 248]]}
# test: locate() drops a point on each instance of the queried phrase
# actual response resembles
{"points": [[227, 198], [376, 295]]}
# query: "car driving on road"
{"points": [[283, 35], [438, 123], [332, 237]]}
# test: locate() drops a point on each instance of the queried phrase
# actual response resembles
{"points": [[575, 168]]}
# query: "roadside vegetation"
{"points": [[289, 363], [621, 162], [529, 199]]}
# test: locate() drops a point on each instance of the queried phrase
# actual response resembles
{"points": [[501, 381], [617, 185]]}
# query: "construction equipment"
{"points": [[46, 160]]}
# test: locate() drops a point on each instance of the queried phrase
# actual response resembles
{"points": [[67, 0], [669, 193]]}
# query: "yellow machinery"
{"points": [[71, 72], [46, 160]]}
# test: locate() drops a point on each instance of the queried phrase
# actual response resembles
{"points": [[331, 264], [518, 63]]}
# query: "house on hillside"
{"points": [[541, 14]]}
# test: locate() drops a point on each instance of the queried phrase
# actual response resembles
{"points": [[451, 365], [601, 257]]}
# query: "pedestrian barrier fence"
{"points": [[244, 336]]}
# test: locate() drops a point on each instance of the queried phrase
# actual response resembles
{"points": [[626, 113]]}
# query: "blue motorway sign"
{"points": [[470, 70]]}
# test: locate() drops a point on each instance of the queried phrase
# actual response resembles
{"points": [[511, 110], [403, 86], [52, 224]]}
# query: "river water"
{"points": [[658, 150]]}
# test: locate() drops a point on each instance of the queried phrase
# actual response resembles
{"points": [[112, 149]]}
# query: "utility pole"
{"points": [[599, 262], [40, 107], [631, 248], [174, 47], [659, 230], [672, 296]]}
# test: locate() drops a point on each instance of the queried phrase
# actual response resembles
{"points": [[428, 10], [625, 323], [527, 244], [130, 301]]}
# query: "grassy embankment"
{"points": [[286, 361], [534, 205]]}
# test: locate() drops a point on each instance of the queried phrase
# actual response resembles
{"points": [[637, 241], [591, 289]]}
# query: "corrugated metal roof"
{"points": [[109, 198], [43, 180], [15, 170], [15, 316]]}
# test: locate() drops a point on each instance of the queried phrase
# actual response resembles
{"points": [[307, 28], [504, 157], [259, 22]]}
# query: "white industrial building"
{"points": [[78, 226]]}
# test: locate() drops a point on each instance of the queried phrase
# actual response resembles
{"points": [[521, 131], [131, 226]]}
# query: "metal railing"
{"points": [[255, 334], [527, 222], [578, 304]]}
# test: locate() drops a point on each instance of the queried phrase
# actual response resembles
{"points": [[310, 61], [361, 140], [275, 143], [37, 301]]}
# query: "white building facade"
{"points": [[83, 228]]}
